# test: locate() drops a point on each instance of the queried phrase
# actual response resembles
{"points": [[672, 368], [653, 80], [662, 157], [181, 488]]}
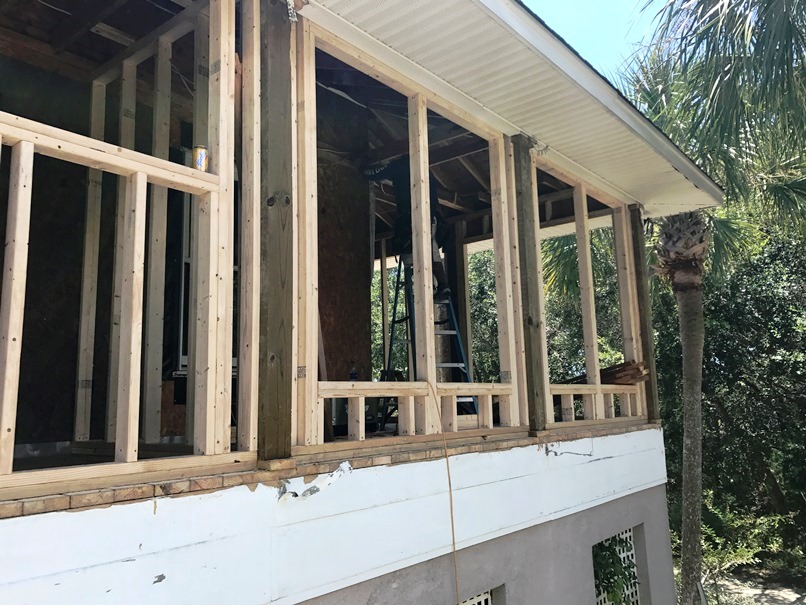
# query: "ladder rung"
{"points": [[445, 332], [401, 320], [450, 365], [442, 301]]}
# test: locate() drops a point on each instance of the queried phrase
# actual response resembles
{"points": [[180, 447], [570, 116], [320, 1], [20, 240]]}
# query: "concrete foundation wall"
{"points": [[549, 564]]}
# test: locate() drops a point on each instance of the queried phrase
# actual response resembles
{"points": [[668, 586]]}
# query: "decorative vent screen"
{"points": [[484, 598], [627, 554]]}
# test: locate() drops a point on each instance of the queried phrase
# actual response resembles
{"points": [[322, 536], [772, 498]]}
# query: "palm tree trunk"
{"points": [[688, 290]]}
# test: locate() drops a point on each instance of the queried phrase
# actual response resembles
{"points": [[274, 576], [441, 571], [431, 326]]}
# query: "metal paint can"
{"points": [[200, 158]]}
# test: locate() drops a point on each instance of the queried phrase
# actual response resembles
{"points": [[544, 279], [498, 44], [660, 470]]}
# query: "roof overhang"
{"points": [[497, 61]]}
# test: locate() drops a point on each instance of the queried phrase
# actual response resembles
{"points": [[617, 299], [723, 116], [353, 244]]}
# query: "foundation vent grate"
{"points": [[626, 554], [484, 598]]}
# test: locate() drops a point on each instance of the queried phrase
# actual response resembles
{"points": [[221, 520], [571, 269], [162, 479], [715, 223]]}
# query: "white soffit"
{"points": [[492, 57]]}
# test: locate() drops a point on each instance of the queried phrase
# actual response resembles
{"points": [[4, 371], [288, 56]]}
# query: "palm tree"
{"points": [[727, 82]]}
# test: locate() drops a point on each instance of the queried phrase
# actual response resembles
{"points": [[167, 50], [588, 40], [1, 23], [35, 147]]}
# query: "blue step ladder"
{"points": [[448, 327]]}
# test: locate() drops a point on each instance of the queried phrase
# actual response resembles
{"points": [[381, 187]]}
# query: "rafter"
{"points": [[87, 15]]}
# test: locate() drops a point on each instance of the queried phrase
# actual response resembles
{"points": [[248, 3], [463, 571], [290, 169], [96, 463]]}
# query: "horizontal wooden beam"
{"points": [[145, 47], [78, 149]]}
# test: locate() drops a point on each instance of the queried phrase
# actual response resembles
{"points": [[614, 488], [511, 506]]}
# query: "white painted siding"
{"points": [[255, 547]]}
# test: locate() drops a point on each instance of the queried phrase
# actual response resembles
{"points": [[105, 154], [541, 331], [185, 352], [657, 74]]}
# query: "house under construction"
{"points": [[236, 351]]}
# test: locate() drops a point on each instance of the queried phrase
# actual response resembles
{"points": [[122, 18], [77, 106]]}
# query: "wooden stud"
{"points": [[515, 271], [205, 295], [89, 275], [132, 263], [12, 303], [485, 403], [277, 254], [250, 230], [538, 393], [448, 414], [310, 426], [425, 363], [594, 404], [651, 407], [567, 407], [200, 135], [158, 226], [405, 415], [609, 409], [173, 29], [91, 153], [510, 413], [221, 143], [128, 107], [355, 418], [384, 277]]}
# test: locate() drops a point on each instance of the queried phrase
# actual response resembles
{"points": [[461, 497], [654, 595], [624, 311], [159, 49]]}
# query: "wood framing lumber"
{"points": [[405, 416], [171, 30], [201, 52], [425, 362], [205, 295], [485, 403], [131, 267], [249, 275], [12, 302], [384, 276], [220, 146], [158, 227], [310, 414], [537, 395], [594, 404], [628, 294], [508, 408], [116, 159], [126, 128], [644, 312], [448, 416], [278, 192], [515, 273], [89, 275], [355, 419]]}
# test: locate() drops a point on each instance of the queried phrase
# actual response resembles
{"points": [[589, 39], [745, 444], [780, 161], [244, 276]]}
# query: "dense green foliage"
{"points": [[612, 574]]}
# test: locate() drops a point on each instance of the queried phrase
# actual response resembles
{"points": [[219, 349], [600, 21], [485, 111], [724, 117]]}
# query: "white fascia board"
{"points": [[547, 45], [357, 37]]}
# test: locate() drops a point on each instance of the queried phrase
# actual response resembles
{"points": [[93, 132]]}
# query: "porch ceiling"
{"points": [[500, 56]]}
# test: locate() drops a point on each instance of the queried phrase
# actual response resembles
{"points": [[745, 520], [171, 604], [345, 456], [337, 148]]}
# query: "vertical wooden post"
{"points": [[515, 270], [567, 408], [221, 145], [158, 226], [89, 275], [200, 108], [645, 312], [355, 419], [128, 107], [448, 414], [594, 404], [131, 318], [405, 416], [250, 230], [485, 411], [538, 391], [628, 294], [384, 277], [205, 295], [278, 201], [12, 303], [510, 413], [425, 363], [460, 286], [310, 421]]}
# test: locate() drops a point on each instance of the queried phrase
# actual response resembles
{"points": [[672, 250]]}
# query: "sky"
{"points": [[604, 32]]}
